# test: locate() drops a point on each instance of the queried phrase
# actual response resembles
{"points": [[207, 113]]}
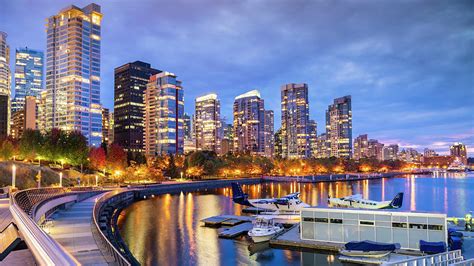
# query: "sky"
{"points": [[408, 65]]}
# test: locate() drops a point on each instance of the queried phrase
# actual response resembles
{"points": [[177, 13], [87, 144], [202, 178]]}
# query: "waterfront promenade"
{"points": [[72, 229]]}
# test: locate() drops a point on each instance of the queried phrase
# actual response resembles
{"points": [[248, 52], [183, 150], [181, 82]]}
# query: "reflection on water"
{"points": [[165, 230]]}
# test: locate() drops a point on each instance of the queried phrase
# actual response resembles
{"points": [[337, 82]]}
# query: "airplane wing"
{"points": [[354, 197], [291, 196]]}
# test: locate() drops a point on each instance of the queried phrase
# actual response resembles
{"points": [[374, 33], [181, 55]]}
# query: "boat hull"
{"points": [[366, 254]]}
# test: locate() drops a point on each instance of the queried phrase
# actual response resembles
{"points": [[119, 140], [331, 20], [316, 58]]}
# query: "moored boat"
{"points": [[264, 229], [369, 249]]}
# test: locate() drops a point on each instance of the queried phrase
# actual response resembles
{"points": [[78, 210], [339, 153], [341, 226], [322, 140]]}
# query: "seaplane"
{"points": [[356, 201], [288, 203]]}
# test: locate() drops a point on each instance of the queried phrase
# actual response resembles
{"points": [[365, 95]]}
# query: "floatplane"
{"points": [[290, 203], [356, 201]]}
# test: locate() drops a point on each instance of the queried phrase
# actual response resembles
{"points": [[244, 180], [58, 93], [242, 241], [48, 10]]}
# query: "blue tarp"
{"points": [[432, 247], [455, 242], [371, 246]]}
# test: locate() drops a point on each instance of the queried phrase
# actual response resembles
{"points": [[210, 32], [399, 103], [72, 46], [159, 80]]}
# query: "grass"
{"points": [[26, 175]]}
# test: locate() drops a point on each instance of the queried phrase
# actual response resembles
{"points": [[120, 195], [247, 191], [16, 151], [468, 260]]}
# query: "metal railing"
{"points": [[441, 259], [109, 251]]}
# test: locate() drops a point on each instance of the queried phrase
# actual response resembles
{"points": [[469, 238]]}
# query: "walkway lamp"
{"points": [[13, 175], [61, 179], [96, 180]]}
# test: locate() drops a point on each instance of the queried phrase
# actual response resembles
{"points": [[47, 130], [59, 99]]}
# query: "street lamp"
{"points": [[61, 179], [96, 180], [181, 174], [13, 175]]}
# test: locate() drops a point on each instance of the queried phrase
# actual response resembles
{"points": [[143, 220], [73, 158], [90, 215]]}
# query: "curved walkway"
{"points": [[72, 229]]}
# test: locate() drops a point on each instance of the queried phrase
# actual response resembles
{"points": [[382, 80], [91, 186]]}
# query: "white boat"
{"points": [[264, 229]]}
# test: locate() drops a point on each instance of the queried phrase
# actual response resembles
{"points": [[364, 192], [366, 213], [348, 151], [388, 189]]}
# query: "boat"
{"points": [[368, 249], [356, 201], [290, 203], [432, 247], [264, 229]]}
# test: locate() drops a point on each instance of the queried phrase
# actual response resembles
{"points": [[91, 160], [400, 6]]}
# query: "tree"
{"points": [[97, 158], [116, 158], [6, 149], [75, 149], [31, 144]]}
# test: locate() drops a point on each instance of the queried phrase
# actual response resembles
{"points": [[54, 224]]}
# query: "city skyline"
{"points": [[404, 112]]}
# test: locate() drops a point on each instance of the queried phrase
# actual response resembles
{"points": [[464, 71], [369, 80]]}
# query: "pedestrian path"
{"points": [[72, 229]]}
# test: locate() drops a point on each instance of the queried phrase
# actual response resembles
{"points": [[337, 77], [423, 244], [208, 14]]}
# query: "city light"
{"points": [[13, 176]]}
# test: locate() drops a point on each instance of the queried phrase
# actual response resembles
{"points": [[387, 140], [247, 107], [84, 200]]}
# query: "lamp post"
{"points": [[181, 174], [96, 180], [61, 179], [13, 175]]}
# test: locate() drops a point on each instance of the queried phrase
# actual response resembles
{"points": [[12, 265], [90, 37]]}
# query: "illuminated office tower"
{"points": [[322, 147], [459, 151], [188, 129], [339, 127], [28, 76], [164, 111], [295, 121], [107, 126], [130, 81], [25, 118], [313, 137], [73, 72], [5, 84], [269, 133], [361, 147], [41, 111], [207, 123], [249, 122]]}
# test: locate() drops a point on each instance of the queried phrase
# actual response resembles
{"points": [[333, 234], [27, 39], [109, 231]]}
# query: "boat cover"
{"points": [[432, 247], [368, 245], [455, 243]]}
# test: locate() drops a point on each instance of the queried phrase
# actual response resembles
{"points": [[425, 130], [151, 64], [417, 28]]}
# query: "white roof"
{"points": [[210, 96], [249, 94]]}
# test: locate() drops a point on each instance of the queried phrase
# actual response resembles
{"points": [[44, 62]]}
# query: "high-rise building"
{"points": [[130, 81], [25, 118], [5, 85], [278, 149], [227, 139], [390, 152], [361, 147], [459, 151], [295, 120], [41, 111], [429, 153], [410, 155], [107, 127], [28, 76], [207, 123], [188, 127], [375, 149], [73, 71], [339, 127], [269, 133], [323, 149], [249, 123], [313, 137], [164, 110]]}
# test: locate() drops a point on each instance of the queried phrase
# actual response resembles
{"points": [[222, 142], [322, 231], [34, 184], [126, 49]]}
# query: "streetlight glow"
{"points": [[61, 179], [13, 175]]}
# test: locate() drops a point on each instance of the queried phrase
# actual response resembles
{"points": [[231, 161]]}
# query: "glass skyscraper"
{"points": [[207, 123], [339, 127], [73, 72], [249, 123], [164, 111], [28, 76], [5, 81], [295, 121]]}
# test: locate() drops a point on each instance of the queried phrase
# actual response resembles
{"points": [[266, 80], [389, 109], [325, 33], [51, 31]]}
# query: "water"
{"points": [[166, 230]]}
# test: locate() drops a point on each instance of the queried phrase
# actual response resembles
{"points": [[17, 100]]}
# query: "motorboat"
{"points": [[368, 249], [356, 201], [290, 203], [264, 229]]}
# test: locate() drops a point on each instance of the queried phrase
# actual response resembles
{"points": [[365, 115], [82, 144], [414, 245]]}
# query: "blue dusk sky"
{"points": [[409, 65]]}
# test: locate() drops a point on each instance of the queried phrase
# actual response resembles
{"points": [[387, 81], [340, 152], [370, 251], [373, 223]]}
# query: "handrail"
{"points": [[445, 258], [101, 239], [45, 250]]}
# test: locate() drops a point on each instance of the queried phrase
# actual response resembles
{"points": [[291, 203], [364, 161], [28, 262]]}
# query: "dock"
{"points": [[291, 239], [226, 220], [235, 231]]}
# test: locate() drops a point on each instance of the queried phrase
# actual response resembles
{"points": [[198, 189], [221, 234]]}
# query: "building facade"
{"points": [[73, 71], [227, 138], [107, 126], [130, 81], [295, 121], [361, 147], [375, 149], [339, 127], [323, 150], [207, 123], [25, 118], [390, 152], [278, 150], [249, 123], [269, 129], [313, 137], [459, 152], [188, 127], [5, 85], [164, 110], [28, 76]]}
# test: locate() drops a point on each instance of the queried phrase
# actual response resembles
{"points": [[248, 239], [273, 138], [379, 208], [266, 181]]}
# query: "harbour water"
{"points": [[166, 230]]}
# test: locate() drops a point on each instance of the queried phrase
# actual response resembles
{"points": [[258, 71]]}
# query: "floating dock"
{"points": [[226, 220], [235, 231]]}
